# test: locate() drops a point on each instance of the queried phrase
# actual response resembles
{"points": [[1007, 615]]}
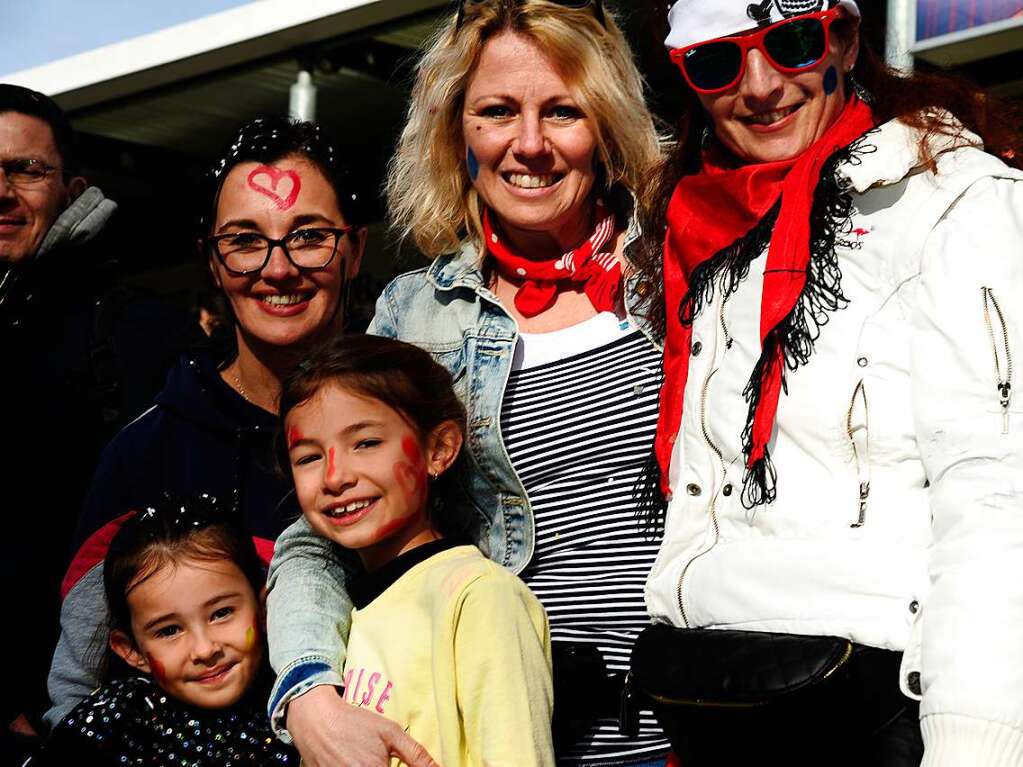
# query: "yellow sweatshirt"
{"points": [[457, 651]]}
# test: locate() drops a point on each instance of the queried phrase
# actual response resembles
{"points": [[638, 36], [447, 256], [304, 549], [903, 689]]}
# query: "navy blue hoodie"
{"points": [[201, 436]]}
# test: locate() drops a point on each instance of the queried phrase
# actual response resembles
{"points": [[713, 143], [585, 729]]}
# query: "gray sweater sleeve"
{"points": [[74, 672]]}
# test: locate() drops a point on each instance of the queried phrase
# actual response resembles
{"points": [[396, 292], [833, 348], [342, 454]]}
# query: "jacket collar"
{"points": [[81, 222], [891, 152], [460, 269]]}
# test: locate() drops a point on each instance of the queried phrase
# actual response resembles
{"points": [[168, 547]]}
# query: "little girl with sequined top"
{"points": [[184, 585]]}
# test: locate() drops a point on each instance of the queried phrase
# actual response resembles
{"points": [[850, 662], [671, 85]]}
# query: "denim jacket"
{"points": [[446, 309]]}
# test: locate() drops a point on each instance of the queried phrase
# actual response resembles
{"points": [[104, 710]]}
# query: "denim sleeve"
{"points": [[384, 322], [308, 618]]}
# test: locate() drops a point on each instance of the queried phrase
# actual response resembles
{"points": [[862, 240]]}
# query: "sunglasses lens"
{"points": [[796, 45], [714, 65]]}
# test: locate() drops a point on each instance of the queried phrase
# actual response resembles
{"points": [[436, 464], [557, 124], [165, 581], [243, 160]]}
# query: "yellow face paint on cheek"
{"points": [[250, 637]]}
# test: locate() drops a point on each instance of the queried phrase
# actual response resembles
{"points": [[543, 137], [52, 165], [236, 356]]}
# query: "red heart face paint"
{"points": [[281, 186], [294, 437], [273, 201]]}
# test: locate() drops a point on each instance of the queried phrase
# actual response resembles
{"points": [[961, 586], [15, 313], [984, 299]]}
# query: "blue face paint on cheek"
{"points": [[472, 164], [830, 80]]}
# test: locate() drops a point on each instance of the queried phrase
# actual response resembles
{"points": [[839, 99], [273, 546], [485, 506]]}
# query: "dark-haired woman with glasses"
{"points": [[526, 142], [840, 433], [281, 237]]}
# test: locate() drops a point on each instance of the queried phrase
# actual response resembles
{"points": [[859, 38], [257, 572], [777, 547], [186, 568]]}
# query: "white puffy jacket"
{"points": [[899, 516]]}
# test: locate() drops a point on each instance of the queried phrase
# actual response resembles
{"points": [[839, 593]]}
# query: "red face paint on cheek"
{"points": [[281, 186], [330, 463], [294, 437], [159, 672], [411, 474]]}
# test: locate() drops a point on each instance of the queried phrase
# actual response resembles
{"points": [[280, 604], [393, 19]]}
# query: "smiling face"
{"points": [[197, 631], [362, 472], [530, 149], [770, 116], [27, 212], [283, 305]]}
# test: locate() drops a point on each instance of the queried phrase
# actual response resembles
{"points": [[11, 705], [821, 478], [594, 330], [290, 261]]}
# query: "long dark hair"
{"points": [[401, 376], [921, 100]]}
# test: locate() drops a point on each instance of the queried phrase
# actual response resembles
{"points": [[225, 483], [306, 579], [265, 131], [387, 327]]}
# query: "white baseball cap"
{"points": [[695, 21]]}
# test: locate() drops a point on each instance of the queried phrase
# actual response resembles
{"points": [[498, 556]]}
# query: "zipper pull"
{"points": [[628, 709], [1005, 390], [864, 493]]}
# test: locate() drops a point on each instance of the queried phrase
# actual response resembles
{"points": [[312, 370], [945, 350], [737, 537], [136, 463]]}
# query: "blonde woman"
{"points": [[526, 139]]}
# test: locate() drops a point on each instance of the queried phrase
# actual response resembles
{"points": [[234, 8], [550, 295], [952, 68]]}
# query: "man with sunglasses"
{"points": [[77, 359], [838, 437]]}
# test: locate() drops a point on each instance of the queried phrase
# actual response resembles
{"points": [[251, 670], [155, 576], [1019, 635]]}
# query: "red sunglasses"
{"points": [[791, 46]]}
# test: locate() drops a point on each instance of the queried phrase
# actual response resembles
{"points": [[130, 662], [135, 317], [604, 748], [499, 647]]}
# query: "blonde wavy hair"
{"points": [[430, 195]]}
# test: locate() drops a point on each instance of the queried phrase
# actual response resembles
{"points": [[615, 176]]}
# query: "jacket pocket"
{"points": [[1001, 352]]}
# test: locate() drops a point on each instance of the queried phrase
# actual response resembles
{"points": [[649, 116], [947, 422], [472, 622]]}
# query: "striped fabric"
{"points": [[607, 260], [578, 431]]}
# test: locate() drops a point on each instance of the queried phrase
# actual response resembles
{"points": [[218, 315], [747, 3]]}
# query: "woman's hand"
{"points": [[332, 733]]}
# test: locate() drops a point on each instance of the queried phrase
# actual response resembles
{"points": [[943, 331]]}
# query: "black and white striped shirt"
{"points": [[579, 426]]}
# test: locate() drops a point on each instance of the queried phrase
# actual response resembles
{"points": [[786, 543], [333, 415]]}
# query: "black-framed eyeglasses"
{"points": [[248, 252], [598, 8], [23, 172]]}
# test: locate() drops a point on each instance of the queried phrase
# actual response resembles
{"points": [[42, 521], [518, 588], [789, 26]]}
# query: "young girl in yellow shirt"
{"points": [[449, 645]]}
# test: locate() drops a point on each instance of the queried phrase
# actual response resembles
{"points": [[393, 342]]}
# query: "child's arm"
{"points": [[503, 673]]}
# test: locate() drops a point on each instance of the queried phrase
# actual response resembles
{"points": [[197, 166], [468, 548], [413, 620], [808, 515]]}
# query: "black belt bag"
{"points": [[583, 692], [727, 696]]}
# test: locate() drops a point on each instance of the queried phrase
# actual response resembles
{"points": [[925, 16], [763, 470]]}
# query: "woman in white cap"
{"points": [[838, 435]]}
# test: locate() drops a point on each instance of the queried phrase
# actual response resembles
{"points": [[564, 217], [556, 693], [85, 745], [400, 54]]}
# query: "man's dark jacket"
{"points": [[81, 356]]}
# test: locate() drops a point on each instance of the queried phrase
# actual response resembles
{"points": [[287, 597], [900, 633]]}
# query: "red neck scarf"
{"points": [[597, 270], [712, 210]]}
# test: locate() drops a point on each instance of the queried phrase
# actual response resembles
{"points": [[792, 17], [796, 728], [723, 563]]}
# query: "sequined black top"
{"points": [[133, 722]]}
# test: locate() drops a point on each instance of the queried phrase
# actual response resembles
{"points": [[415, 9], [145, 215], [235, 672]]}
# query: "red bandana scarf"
{"points": [[598, 271], [708, 212]]}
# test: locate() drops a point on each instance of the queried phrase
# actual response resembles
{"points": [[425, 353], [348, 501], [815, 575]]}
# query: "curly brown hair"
{"points": [[921, 100]]}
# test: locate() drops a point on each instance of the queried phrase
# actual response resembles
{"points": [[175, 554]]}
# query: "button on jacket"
{"points": [[898, 448]]}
